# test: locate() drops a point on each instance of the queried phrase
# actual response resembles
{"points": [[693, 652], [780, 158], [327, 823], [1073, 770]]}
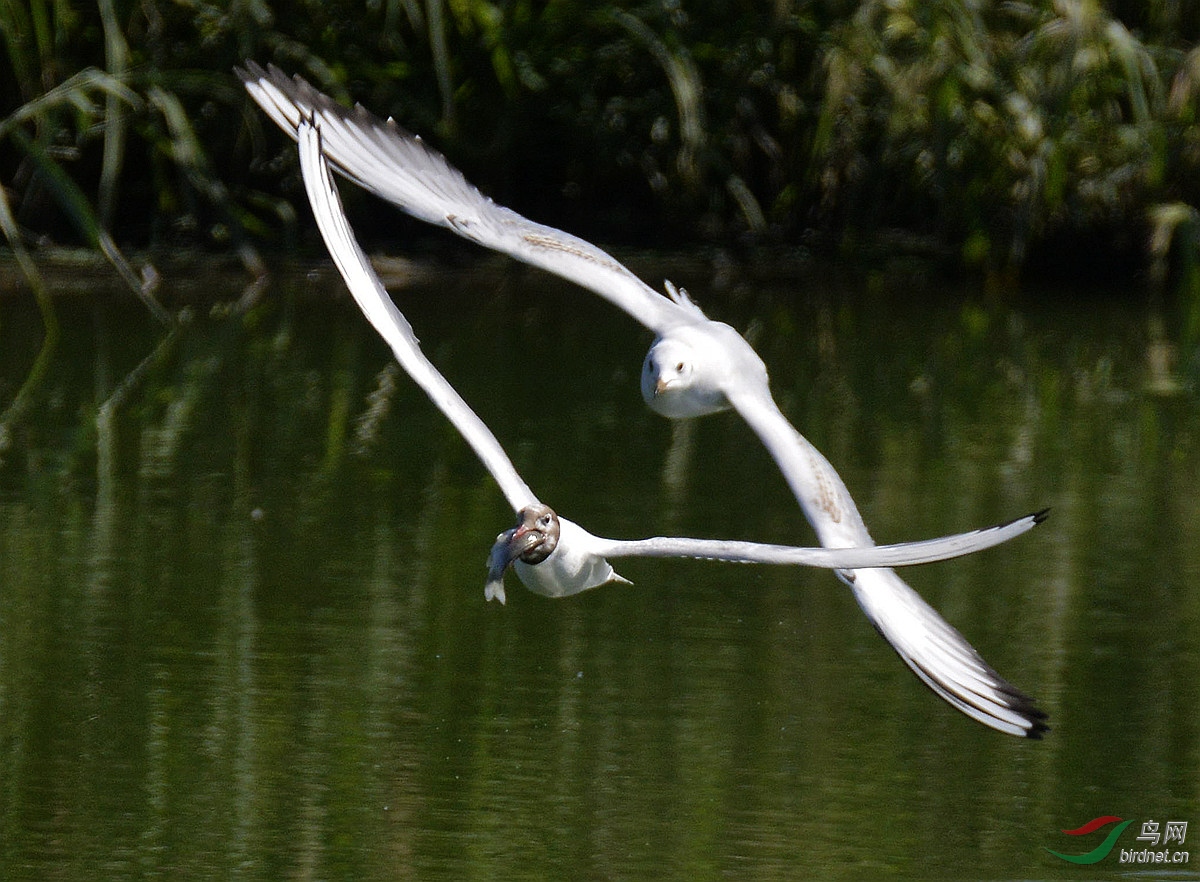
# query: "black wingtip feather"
{"points": [[1034, 714]]}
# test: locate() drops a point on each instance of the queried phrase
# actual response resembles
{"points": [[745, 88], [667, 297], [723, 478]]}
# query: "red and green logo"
{"points": [[1100, 852], [1161, 840]]}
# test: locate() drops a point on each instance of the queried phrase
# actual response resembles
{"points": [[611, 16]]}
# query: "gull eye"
{"points": [[679, 367], [544, 521]]}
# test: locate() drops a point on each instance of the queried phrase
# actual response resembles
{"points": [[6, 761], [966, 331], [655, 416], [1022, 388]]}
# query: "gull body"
{"points": [[695, 367]]}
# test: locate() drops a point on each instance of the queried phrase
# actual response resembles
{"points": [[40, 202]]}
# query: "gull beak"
{"points": [[509, 547], [660, 386]]}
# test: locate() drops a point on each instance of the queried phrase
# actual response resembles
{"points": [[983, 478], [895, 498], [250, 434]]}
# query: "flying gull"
{"points": [[695, 366]]}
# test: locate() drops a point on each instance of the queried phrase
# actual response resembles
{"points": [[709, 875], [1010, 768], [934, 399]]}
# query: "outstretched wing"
{"points": [[936, 652], [942, 657], [900, 554], [399, 167], [379, 309]]}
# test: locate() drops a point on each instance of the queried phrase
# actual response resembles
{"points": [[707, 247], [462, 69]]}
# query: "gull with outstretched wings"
{"points": [[695, 366]]}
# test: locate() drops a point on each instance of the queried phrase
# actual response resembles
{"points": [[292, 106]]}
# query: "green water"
{"points": [[243, 633]]}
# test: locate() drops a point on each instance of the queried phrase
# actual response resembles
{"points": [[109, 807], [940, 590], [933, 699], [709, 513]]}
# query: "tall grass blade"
{"points": [[41, 364], [116, 52], [75, 91], [73, 201]]}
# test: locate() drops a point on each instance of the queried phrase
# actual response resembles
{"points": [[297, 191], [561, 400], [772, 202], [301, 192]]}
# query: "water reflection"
{"points": [[242, 632]]}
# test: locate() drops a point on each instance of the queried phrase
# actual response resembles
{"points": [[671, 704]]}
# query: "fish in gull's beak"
{"points": [[532, 540]]}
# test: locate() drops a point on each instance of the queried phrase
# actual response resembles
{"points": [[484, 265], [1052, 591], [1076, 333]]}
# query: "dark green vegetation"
{"points": [[987, 135], [1050, 137]]}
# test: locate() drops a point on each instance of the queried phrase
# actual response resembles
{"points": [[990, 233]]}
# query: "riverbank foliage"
{"points": [[997, 136]]}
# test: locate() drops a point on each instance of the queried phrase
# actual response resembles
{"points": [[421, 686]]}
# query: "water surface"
{"points": [[243, 634]]}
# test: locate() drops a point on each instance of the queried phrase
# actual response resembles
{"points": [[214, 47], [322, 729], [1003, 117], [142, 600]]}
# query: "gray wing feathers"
{"points": [[901, 554], [942, 657], [822, 494], [400, 168], [379, 309], [935, 651]]}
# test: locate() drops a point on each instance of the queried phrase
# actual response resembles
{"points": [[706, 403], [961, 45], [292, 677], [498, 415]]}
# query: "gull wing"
{"points": [[397, 166], [939, 655], [899, 554], [382, 313], [813, 480]]}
